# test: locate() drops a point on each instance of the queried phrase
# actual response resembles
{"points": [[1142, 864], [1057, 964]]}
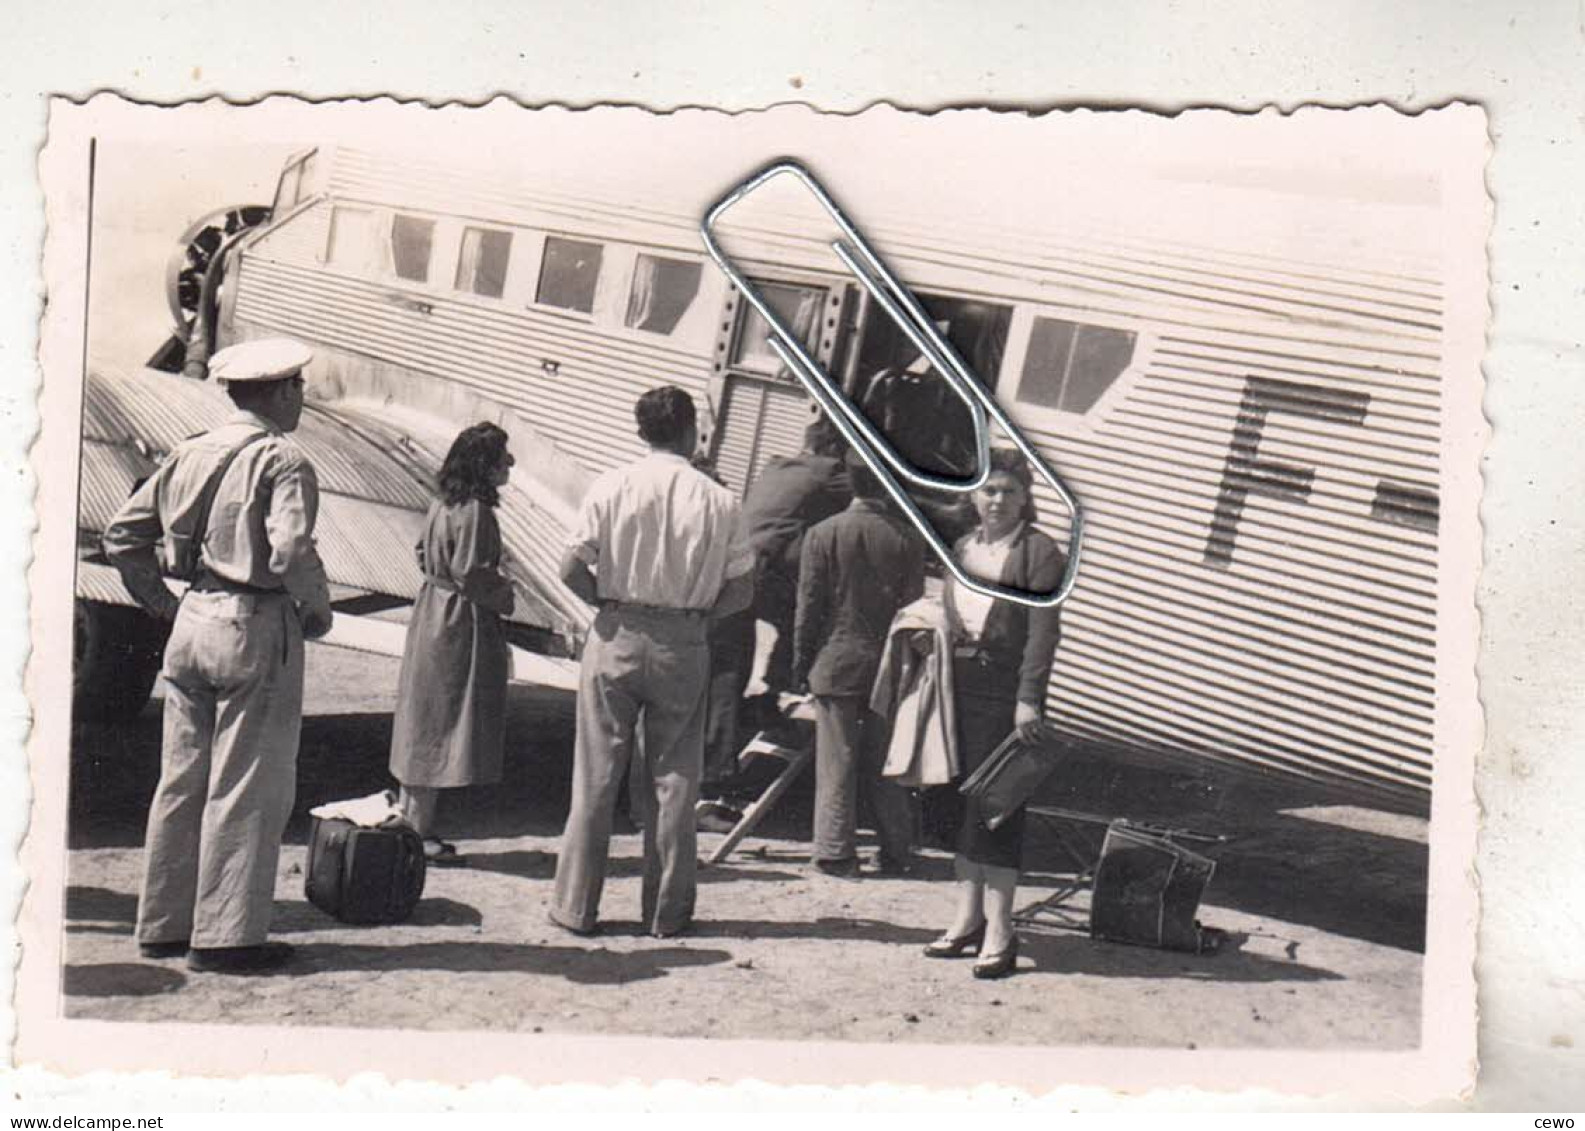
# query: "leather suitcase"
{"points": [[364, 876], [1147, 890]]}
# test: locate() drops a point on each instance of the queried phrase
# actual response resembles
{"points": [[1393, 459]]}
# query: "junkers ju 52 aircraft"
{"points": [[1253, 430]]}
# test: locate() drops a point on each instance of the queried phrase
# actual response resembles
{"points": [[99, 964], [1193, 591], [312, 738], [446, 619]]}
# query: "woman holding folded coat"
{"points": [[1002, 660], [451, 697]]}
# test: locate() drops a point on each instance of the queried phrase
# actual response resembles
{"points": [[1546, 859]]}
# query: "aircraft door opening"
{"points": [[763, 409], [912, 404]]}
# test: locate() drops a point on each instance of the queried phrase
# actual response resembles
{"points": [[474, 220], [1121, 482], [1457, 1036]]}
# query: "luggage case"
{"points": [[1146, 891], [1006, 780], [361, 875]]}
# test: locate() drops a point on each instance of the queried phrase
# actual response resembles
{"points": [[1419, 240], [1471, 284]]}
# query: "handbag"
{"points": [[1007, 779]]}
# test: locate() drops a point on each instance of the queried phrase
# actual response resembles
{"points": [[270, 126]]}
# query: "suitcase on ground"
{"points": [[1146, 891], [364, 876]]}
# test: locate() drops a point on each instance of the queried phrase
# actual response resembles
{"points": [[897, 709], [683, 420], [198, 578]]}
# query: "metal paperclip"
{"points": [[873, 448]]}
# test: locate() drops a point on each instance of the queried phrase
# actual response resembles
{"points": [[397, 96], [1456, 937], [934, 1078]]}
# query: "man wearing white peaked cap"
{"points": [[234, 664]]}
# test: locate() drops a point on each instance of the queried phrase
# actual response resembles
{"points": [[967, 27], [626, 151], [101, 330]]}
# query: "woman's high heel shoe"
{"points": [[1000, 964], [956, 946]]}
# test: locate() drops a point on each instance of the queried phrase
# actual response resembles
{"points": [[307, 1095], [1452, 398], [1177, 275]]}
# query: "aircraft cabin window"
{"points": [[481, 267], [412, 239], [799, 307], [1069, 365], [356, 241], [569, 273], [294, 181], [663, 290]]}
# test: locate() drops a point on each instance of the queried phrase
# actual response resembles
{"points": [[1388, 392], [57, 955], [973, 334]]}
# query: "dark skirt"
{"points": [[985, 707]]}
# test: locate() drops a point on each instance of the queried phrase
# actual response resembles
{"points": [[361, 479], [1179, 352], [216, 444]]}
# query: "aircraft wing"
{"points": [[376, 466]]}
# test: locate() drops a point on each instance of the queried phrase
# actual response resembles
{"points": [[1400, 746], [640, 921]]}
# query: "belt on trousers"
{"points": [[654, 610], [207, 582]]}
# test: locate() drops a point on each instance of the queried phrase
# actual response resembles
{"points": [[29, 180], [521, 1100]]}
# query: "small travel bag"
{"points": [[364, 876], [1008, 778]]}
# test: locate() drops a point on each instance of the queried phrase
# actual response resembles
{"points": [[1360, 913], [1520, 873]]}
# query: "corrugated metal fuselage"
{"points": [[1260, 479]]}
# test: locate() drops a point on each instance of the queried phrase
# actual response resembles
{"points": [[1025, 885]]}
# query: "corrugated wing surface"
{"points": [[534, 535], [374, 479]]}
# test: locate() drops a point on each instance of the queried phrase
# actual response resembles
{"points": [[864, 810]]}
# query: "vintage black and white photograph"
{"points": [[525, 580]]}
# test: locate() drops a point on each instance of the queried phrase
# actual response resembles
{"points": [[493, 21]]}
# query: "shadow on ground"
{"points": [[1275, 864], [1063, 953], [1346, 881], [342, 754], [100, 905], [102, 911], [298, 915], [121, 979], [587, 965], [829, 927], [533, 864]]}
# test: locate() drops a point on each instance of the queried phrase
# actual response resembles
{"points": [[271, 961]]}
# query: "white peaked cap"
{"points": [[267, 359]]}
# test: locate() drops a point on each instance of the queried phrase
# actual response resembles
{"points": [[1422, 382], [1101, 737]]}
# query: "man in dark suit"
{"points": [[787, 497], [858, 568]]}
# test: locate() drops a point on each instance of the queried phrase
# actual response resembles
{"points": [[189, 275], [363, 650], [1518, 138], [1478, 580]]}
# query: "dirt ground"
{"points": [[1324, 904]]}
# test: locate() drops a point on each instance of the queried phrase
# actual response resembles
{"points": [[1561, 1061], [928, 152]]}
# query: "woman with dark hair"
{"points": [[1001, 663], [451, 698]]}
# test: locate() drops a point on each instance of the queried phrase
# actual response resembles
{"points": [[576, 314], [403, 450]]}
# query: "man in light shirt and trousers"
{"points": [[659, 548], [233, 671]]}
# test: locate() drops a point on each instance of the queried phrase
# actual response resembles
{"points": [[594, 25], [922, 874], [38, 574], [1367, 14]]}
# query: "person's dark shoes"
{"points": [[239, 959], [158, 950], [957, 946], [442, 854], [713, 816], [886, 865], [839, 869], [1000, 964], [671, 932]]}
